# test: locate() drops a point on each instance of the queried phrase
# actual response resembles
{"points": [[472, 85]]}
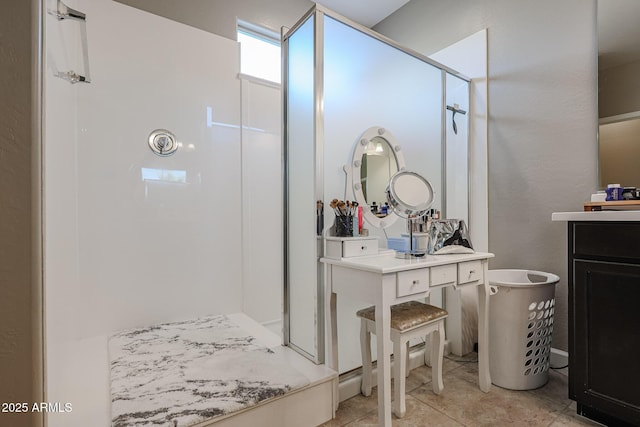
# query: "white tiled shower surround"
{"points": [[131, 238]]}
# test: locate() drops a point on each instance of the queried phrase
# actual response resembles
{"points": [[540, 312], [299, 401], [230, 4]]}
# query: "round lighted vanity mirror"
{"points": [[376, 158], [378, 166], [409, 193]]}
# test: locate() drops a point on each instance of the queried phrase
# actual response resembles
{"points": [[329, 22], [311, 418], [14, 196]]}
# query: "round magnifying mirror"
{"points": [[376, 158], [409, 194]]}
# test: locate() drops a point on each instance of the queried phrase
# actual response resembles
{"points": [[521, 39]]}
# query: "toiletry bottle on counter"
{"points": [[614, 192]]}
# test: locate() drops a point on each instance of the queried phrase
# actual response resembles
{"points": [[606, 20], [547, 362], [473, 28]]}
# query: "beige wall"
{"points": [[619, 153], [20, 353], [219, 16], [542, 118], [619, 90]]}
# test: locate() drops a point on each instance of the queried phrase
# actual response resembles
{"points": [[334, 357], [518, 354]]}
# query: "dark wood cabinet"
{"points": [[604, 320]]}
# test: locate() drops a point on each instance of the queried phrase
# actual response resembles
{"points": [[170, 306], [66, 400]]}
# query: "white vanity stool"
{"points": [[409, 320]]}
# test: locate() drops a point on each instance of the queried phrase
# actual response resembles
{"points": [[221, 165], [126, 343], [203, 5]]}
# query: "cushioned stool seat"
{"points": [[409, 320]]}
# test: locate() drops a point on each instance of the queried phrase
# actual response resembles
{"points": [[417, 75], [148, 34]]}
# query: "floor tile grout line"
{"points": [[560, 414], [443, 413], [562, 410]]}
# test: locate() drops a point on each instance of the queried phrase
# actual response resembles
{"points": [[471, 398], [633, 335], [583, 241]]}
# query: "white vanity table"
{"points": [[385, 280]]}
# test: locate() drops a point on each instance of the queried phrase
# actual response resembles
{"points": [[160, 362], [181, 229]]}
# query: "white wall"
{"points": [[123, 250], [262, 204], [542, 122]]}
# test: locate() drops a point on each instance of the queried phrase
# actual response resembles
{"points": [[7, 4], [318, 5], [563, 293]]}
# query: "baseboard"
{"points": [[274, 326], [558, 358]]}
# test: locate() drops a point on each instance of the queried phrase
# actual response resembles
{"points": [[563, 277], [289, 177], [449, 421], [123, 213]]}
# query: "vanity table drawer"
{"points": [[412, 282], [359, 247], [443, 275], [345, 247], [470, 271]]}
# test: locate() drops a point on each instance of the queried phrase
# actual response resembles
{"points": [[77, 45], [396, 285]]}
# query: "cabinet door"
{"points": [[607, 338]]}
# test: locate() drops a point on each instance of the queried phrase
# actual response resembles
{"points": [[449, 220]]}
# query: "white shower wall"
{"points": [[123, 250], [131, 238]]}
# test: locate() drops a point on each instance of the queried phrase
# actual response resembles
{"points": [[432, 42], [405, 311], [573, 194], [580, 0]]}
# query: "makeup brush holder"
{"points": [[344, 226]]}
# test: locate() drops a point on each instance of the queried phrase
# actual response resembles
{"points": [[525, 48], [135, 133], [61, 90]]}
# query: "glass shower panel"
{"points": [[300, 227], [457, 148], [370, 83]]}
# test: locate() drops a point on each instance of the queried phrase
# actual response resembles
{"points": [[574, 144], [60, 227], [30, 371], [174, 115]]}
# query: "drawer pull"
{"points": [[412, 282], [364, 248], [470, 271]]}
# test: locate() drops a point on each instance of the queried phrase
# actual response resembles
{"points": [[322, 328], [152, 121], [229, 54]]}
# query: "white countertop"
{"points": [[388, 263], [596, 216]]}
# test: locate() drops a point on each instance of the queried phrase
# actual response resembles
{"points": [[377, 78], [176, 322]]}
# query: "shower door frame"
{"points": [[319, 12]]}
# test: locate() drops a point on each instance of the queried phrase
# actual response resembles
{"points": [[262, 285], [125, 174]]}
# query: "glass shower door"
{"points": [[303, 299]]}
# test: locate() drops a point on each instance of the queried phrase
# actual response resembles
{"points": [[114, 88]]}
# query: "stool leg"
{"points": [[437, 353], [399, 369], [407, 370], [428, 347], [365, 349]]}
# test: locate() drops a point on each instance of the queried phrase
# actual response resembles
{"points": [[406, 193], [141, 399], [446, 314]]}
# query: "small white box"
{"points": [[345, 247]]}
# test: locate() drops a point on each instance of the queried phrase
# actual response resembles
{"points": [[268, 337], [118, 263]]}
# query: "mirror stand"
{"points": [[410, 196], [412, 252]]}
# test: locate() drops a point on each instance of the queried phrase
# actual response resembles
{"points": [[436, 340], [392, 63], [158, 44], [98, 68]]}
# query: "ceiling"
{"points": [[618, 28], [365, 12], [618, 32]]}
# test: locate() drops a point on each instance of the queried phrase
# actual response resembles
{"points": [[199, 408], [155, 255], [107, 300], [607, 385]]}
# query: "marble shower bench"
{"points": [[224, 370]]}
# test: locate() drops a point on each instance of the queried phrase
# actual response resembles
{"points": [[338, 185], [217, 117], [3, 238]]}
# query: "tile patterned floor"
{"points": [[463, 404]]}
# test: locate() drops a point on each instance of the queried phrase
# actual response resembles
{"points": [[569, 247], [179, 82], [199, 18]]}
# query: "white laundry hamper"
{"points": [[521, 325]]}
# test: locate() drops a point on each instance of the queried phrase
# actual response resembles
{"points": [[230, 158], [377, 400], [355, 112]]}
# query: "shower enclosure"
{"points": [[132, 238], [340, 79]]}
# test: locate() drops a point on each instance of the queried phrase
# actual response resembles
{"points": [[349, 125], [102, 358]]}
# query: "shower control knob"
{"points": [[162, 142]]}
